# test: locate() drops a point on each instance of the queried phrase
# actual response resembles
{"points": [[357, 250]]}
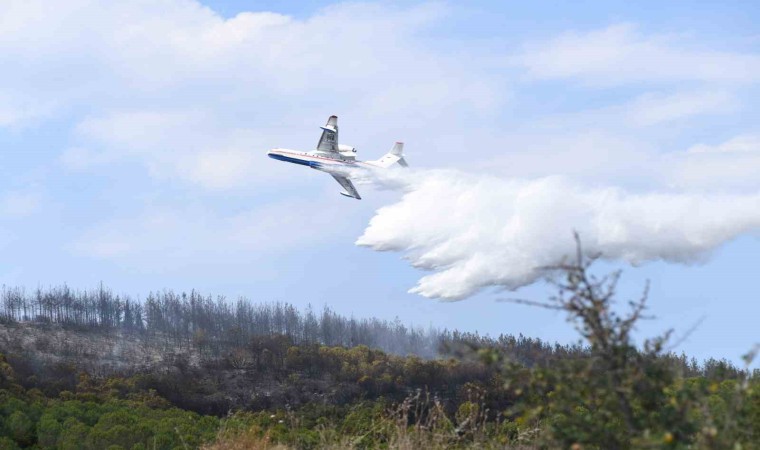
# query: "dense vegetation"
{"points": [[92, 370], [488, 404]]}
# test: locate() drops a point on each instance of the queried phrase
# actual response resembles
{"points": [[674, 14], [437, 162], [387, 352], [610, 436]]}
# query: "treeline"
{"points": [[215, 325]]}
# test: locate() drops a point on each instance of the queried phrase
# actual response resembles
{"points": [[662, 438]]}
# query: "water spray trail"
{"points": [[477, 231]]}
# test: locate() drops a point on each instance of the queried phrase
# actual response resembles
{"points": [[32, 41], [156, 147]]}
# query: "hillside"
{"points": [[92, 370], [231, 370]]}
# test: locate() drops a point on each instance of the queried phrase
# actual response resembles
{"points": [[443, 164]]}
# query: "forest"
{"points": [[211, 325], [91, 369]]}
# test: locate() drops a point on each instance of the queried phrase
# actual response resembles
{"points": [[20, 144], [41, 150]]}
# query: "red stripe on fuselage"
{"points": [[330, 159], [319, 157]]}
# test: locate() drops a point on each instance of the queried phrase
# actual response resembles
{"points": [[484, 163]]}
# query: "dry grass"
{"points": [[418, 423], [244, 441]]}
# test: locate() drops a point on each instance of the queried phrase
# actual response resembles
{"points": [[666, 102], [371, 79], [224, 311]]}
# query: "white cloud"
{"points": [[138, 131], [222, 168], [475, 232], [738, 144], [734, 164], [619, 156], [20, 204], [581, 152], [619, 54], [192, 96], [651, 109], [181, 236], [176, 87], [18, 109], [626, 144], [82, 159], [184, 145]]}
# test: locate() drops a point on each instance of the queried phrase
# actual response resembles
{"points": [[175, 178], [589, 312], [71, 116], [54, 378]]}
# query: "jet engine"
{"points": [[347, 152]]}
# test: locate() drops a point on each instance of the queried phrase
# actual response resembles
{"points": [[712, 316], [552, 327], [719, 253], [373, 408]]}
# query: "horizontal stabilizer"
{"points": [[331, 125], [395, 156]]}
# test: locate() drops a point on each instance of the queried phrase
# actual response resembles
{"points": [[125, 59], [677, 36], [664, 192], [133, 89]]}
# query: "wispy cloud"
{"points": [[621, 54], [20, 203], [653, 109], [175, 236], [739, 144], [196, 97], [181, 145], [733, 164]]}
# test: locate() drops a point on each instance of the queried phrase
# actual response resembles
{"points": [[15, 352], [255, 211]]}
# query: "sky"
{"points": [[133, 139]]}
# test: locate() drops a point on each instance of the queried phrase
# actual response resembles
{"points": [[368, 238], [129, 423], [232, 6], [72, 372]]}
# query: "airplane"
{"points": [[337, 159]]}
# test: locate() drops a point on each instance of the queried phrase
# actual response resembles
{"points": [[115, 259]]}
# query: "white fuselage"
{"points": [[320, 161]]}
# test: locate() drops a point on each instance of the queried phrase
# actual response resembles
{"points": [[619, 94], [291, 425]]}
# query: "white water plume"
{"points": [[476, 231]]}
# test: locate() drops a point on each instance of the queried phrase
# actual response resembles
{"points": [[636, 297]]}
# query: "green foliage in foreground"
{"points": [[568, 406], [89, 421], [75, 424]]}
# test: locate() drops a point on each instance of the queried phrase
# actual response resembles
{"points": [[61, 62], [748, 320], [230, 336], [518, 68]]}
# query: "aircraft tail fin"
{"points": [[395, 156], [328, 142], [332, 123]]}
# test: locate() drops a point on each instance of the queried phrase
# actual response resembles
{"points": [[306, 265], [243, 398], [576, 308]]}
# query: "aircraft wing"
{"points": [[348, 186], [328, 142]]}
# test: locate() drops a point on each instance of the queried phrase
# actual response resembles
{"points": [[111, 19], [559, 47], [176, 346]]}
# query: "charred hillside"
{"points": [[212, 355], [204, 326]]}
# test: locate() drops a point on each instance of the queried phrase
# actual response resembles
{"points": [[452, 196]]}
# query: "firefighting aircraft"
{"points": [[337, 159]]}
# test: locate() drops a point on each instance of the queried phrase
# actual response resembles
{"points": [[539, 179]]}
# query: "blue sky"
{"points": [[133, 140]]}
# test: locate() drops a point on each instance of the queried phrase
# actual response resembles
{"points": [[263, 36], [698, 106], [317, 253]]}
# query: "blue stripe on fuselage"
{"points": [[294, 160]]}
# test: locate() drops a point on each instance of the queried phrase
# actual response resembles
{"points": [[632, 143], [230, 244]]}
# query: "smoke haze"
{"points": [[474, 232]]}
